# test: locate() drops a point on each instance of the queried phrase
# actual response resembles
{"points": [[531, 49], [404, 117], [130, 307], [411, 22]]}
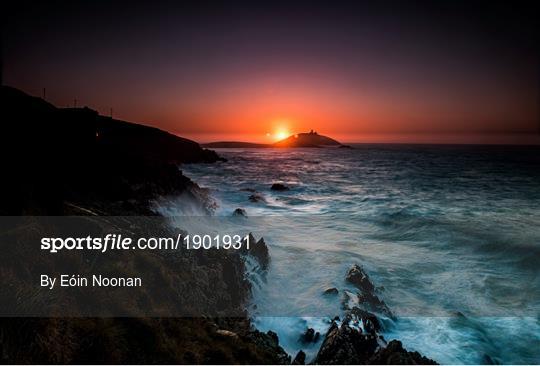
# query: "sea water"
{"points": [[450, 235]]}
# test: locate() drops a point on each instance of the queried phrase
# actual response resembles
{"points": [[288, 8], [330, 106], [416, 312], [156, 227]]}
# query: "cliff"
{"points": [[51, 156]]}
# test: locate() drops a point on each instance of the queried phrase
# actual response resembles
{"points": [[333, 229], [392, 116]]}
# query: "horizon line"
{"points": [[523, 139]]}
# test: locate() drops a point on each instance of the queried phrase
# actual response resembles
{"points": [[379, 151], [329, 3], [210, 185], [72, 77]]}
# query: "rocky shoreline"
{"points": [[75, 162], [357, 338]]}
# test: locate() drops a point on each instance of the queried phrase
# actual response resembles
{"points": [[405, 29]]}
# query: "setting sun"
{"points": [[282, 134], [281, 129]]}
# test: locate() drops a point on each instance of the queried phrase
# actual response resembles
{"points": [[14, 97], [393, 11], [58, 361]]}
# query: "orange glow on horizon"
{"points": [[281, 130], [529, 139], [280, 135], [348, 113]]}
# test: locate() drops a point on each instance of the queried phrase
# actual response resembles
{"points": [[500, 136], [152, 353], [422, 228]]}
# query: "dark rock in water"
{"points": [[258, 250], [370, 322], [310, 336], [360, 279], [307, 337], [240, 212], [395, 354], [374, 303], [257, 197], [279, 187], [346, 345], [357, 339], [331, 291], [345, 147], [244, 249], [300, 358], [367, 297]]}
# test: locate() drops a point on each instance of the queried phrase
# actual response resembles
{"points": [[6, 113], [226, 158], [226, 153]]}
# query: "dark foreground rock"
{"points": [[209, 284], [300, 358], [395, 354], [130, 341], [346, 345], [269, 341], [357, 339]]}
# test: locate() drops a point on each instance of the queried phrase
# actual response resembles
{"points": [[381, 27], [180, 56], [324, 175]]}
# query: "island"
{"points": [[306, 139]]}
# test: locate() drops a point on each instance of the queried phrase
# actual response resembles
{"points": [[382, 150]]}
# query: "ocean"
{"points": [[450, 235]]}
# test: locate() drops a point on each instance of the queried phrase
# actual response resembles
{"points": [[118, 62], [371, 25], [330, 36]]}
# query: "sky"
{"points": [[430, 71]]}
